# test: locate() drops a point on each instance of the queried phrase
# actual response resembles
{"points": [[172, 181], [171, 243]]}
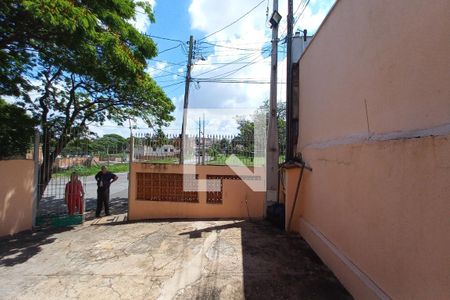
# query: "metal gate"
{"points": [[54, 173]]}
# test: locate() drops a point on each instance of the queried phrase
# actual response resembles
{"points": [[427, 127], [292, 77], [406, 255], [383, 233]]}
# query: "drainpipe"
{"points": [[298, 163]]}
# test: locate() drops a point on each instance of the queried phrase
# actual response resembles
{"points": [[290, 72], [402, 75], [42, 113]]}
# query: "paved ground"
{"points": [[164, 260]]}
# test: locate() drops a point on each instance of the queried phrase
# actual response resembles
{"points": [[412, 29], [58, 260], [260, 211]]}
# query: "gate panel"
{"points": [[54, 173]]}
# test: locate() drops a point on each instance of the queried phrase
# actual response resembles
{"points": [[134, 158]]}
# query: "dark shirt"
{"points": [[104, 180]]}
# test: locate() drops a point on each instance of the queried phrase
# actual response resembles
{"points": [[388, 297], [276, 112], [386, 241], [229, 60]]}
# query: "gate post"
{"points": [[131, 158], [36, 193]]}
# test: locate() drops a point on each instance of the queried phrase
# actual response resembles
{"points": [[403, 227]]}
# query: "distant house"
{"points": [[165, 150]]}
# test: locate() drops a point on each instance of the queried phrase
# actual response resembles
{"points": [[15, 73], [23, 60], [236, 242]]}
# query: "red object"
{"points": [[74, 190]]}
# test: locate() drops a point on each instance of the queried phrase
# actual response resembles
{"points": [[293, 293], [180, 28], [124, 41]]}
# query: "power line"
{"points": [[262, 50], [303, 3], [225, 63], [164, 38], [161, 76], [168, 72], [230, 47], [229, 81], [301, 13], [226, 74], [222, 66], [165, 50], [234, 22], [169, 63], [169, 85]]}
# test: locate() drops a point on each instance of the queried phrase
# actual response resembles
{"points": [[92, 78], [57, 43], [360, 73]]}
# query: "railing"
{"points": [[201, 150]]}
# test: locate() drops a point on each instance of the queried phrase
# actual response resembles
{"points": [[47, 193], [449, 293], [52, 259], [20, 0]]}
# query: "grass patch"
{"points": [[89, 171], [221, 159], [166, 160]]}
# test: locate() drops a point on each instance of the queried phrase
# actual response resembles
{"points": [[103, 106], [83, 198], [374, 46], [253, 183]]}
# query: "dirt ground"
{"points": [[109, 259]]}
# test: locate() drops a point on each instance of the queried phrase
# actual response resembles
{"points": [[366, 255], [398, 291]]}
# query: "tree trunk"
{"points": [[49, 158]]}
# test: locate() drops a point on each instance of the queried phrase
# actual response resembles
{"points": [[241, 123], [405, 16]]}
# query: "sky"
{"points": [[238, 53]]}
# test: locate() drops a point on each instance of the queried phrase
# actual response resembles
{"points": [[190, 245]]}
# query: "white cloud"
{"points": [[250, 32], [156, 68], [142, 22]]}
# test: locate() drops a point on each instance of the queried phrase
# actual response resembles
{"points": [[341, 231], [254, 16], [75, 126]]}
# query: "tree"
{"points": [[245, 138], [71, 35], [85, 61], [160, 138], [16, 131], [281, 117], [247, 127], [113, 143]]}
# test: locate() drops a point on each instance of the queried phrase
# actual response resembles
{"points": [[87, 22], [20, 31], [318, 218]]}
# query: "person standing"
{"points": [[74, 195], [104, 179]]}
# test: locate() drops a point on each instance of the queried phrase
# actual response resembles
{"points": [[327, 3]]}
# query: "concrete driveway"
{"points": [[164, 260]]}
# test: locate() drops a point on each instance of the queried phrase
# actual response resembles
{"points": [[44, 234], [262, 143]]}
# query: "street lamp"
{"points": [[275, 18]]}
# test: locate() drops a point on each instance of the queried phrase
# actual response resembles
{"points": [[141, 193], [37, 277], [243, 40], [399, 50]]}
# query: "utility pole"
{"points": [[203, 142], [272, 136], [289, 100], [186, 99], [197, 149], [130, 163]]}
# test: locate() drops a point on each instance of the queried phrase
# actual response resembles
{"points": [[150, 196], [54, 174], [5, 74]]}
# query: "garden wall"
{"points": [[16, 196], [156, 192]]}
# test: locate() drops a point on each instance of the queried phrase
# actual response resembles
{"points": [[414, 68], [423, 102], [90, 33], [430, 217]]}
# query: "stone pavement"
{"points": [[163, 260]]}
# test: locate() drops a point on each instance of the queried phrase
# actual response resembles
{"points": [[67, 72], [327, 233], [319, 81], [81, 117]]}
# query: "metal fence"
{"points": [[200, 149]]}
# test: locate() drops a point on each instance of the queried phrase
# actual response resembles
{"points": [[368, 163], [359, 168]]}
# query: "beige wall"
{"points": [[16, 196], [392, 55], [374, 126], [239, 201]]}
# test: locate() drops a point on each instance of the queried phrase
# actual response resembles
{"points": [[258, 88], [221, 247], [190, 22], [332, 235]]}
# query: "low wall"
{"points": [[16, 196], [378, 213], [238, 200]]}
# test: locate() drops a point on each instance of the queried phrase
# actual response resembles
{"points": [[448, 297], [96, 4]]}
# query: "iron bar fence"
{"points": [[200, 149]]}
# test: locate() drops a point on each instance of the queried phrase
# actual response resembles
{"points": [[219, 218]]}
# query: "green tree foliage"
{"points": [[84, 61], [16, 131], [110, 143], [85, 37], [244, 141], [247, 127], [107, 144], [160, 138]]}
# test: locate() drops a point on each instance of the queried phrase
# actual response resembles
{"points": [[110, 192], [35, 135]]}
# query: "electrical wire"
{"points": [[224, 63], [165, 71], [169, 63], [169, 85], [234, 22], [226, 74], [165, 50], [229, 47], [301, 13], [237, 81], [223, 66], [164, 38]]}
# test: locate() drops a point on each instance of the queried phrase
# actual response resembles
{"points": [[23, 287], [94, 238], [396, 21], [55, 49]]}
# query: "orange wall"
{"points": [[392, 55], [239, 201], [16, 196], [375, 128]]}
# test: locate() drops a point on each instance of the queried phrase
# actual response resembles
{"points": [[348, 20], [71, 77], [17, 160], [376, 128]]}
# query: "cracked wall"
{"points": [[375, 128]]}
